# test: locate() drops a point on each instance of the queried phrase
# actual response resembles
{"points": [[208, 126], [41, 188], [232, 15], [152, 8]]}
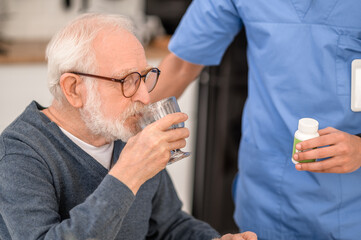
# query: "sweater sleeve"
{"points": [[168, 221], [29, 205]]}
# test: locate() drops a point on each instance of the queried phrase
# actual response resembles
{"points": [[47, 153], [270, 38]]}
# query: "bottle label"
{"points": [[296, 151]]}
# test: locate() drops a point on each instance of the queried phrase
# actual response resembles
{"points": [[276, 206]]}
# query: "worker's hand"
{"points": [[342, 150], [239, 236], [148, 152]]}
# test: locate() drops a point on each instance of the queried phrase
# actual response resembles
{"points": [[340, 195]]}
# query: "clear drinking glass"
{"points": [[156, 111]]}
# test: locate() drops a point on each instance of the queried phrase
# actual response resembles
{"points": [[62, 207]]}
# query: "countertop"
{"points": [[17, 52]]}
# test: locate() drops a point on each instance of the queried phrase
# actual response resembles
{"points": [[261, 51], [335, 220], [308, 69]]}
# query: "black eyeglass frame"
{"points": [[122, 80]]}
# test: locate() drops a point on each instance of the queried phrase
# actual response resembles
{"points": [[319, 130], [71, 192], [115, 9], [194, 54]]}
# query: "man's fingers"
{"points": [[316, 142], [327, 130], [169, 120], [177, 144], [329, 137], [338, 169], [249, 236], [320, 166], [318, 153], [331, 165], [239, 236], [176, 138], [177, 134]]}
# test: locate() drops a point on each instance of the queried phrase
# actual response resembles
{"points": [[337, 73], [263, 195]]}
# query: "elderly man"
{"points": [[63, 172]]}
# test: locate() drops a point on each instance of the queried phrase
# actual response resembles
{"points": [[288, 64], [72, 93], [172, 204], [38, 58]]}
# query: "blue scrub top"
{"points": [[299, 57]]}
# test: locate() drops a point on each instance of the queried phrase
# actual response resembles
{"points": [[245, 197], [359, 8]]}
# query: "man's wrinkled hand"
{"points": [[239, 236], [342, 152], [148, 152]]}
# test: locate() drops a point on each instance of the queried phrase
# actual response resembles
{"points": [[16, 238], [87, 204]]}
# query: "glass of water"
{"points": [[156, 111]]}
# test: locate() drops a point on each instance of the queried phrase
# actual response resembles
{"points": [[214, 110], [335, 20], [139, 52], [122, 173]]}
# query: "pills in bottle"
{"points": [[307, 129]]}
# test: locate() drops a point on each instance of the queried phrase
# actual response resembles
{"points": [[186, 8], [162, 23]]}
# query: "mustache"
{"points": [[133, 110]]}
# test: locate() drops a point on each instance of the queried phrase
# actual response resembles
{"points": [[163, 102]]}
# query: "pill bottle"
{"points": [[307, 129]]}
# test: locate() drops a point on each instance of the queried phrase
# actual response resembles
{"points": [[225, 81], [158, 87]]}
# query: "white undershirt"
{"points": [[102, 154]]}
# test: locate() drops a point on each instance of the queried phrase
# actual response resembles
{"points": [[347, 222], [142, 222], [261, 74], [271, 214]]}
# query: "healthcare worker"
{"points": [[299, 57]]}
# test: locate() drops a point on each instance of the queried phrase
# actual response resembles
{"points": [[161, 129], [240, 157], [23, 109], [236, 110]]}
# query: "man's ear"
{"points": [[73, 89]]}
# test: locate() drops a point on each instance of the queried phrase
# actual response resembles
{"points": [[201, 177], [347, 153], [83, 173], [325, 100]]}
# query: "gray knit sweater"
{"points": [[52, 189]]}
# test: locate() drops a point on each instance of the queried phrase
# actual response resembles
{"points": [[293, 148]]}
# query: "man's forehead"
{"points": [[124, 72], [119, 53], [108, 33]]}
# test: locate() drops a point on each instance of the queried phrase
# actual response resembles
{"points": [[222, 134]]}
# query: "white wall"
{"points": [[40, 19], [36, 19]]}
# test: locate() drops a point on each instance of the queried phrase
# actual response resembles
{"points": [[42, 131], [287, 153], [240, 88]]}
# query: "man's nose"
{"points": [[142, 94]]}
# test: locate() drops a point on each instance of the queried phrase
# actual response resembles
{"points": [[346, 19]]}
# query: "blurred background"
{"points": [[203, 181]]}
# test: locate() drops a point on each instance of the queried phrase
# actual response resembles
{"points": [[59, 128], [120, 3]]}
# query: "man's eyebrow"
{"points": [[122, 74], [147, 69], [125, 72]]}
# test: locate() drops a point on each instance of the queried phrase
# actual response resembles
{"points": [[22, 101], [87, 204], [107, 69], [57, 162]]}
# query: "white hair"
{"points": [[71, 48]]}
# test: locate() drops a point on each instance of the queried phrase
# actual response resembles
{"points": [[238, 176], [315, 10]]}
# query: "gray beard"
{"points": [[110, 129]]}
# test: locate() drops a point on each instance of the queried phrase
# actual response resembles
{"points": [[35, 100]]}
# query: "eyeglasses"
{"points": [[131, 82]]}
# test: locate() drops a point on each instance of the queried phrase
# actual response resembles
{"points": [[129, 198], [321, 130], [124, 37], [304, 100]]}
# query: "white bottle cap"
{"points": [[308, 125]]}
